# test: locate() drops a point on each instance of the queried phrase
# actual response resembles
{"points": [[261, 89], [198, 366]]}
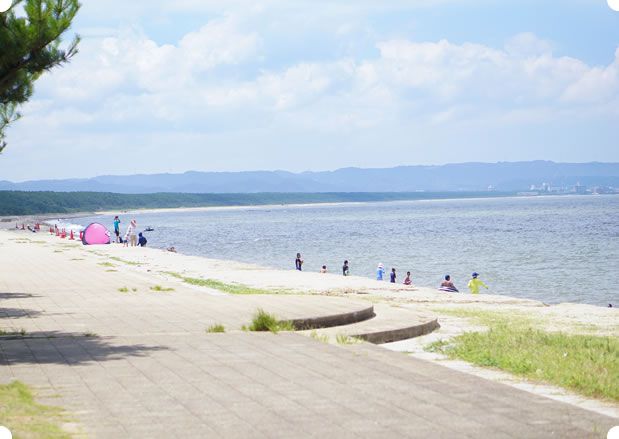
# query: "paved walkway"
{"points": [[152, 369]]}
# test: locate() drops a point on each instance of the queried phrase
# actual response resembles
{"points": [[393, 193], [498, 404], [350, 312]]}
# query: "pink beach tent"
{"points": [[95, 233]]}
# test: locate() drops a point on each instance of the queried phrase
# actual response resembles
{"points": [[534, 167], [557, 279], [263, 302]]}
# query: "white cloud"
{"points": [[129, 76], [220, 85]]}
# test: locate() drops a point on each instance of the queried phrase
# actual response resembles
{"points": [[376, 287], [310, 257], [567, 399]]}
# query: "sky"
{"points": [[171, 86]]}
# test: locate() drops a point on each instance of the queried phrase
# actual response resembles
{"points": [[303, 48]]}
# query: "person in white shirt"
{"points": [[130, 236]]}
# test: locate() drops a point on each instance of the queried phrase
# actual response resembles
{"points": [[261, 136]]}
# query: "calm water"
{"points": [[554, 249]]}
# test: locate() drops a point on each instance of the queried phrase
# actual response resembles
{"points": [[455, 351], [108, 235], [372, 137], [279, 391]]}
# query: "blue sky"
{"points": [[163, 86]]}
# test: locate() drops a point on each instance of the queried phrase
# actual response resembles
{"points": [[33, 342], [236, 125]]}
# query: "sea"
{"points": [[549, 248]]}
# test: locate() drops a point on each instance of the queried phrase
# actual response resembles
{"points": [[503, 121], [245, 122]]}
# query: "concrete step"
{"points": [[389, 324], [339, 319]]}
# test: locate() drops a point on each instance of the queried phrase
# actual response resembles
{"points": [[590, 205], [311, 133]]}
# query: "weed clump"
{"points": [[323, 338], [160, 289], [263, 321], [215, 329]]}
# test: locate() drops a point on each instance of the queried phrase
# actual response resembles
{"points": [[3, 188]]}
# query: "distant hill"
{"points": [[32, 203], [503, 176]]}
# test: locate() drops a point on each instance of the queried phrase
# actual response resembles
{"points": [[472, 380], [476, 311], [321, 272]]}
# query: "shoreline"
{"points": [[155, 261], [372, 284]]}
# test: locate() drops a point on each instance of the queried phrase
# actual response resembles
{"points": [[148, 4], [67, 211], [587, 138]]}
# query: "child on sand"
{"points": [[323, 269], [345, 269], [407, 280], [392, 276], [298, 262], [380, 271], [141, 240], [475, 283], [448, 285]]}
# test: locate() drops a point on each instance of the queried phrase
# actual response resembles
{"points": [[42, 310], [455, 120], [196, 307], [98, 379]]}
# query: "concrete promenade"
{"points": [[140, 364]]}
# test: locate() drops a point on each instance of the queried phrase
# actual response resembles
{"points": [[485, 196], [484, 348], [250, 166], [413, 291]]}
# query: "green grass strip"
{"points": [[21, 414], [587, 364], [222, 286], [124, 261]]}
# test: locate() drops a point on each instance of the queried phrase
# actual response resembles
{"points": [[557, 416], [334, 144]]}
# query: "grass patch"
{"points": [[135, 290], [323, 338], [160, 289], [111, 271], [123, 290], [21, 333], [25, 417], [106, 264], [124, 261], [346, 339], [77, 259], [587, 364], [489, 318], [215, 328], [222, 286], [263, 321]]}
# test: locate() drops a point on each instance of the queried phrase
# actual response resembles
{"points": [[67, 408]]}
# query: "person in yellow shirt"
{"points": [[475, 283]]}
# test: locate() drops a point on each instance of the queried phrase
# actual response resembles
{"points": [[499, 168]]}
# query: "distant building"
{"points": [[580, 189]]}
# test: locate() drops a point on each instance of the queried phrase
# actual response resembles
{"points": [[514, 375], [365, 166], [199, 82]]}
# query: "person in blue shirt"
{"points": [[141, 240], [117, 228], [298, 262], [380, 271]]}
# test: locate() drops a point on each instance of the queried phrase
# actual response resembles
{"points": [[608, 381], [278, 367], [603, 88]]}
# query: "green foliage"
{"points": [[30, 46], [234, 288], [21, 414], [323, 338], [21, 333], [31, 203], [225, 287], [346, 339], [117, 259], [160, 289], [263, 321], [123, 290], [215, 328], [585, 363]]}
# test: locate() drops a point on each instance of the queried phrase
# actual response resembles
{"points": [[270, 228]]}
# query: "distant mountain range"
{"points": [[503, 176]]}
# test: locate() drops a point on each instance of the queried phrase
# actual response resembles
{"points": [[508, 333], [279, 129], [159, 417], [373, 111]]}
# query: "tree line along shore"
{"points": [[33, 203]]}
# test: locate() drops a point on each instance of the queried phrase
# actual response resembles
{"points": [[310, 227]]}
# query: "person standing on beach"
{"points": [[345, 270], [380, 271], [475, 283], [130, 236], [117, 228], [392, 276], [298, 263]]}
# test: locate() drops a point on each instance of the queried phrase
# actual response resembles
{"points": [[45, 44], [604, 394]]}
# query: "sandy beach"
{"points": [[568, 317]]}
